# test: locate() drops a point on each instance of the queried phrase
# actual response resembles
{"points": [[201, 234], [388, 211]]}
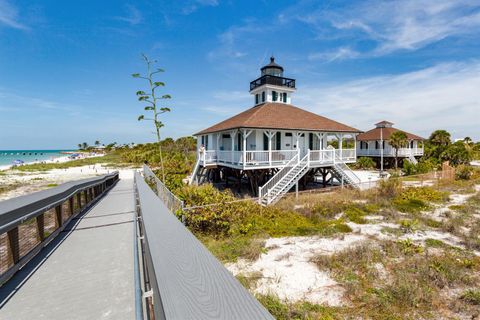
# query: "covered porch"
{"points": [[374, 149], [262, 149]]}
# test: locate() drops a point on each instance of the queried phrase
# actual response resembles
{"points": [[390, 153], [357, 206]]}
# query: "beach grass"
{"points": [[111, 159]]}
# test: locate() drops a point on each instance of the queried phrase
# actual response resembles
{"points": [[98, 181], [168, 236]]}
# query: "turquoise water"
{"points": [[8, 156]]}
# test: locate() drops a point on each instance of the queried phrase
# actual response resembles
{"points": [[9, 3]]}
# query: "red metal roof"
{"points": [[279, 116], [375, 133]]}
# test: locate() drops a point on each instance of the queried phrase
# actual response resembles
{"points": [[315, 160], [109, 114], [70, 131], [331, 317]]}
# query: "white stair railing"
{"points": [[346, 173], [283, 180], [412, 158], [195, 171], [263, 190]]}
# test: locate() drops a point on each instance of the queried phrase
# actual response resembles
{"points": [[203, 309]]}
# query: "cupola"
{"points": [[272, 86]]}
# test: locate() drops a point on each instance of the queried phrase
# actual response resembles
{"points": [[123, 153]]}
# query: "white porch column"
{"points": [[269, 135], [355, 146], [245, 134], [233, 135], [217, 150], [320, 137], [340, 145]]}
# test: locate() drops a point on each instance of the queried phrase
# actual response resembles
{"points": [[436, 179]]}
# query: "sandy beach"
{"points": [[16, 183], [61, 159]]}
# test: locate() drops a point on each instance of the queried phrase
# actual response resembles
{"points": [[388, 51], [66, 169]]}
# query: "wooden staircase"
{"points": [[283, 180]]}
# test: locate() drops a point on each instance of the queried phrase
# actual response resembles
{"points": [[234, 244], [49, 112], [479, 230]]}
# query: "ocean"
{"points": [[8, 156]]}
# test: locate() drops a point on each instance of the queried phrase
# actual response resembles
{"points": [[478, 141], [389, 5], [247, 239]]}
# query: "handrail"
{"points": [[277, 177], [28, 223], [345, 168], [172, 202], [19, 209], [186, 280]]}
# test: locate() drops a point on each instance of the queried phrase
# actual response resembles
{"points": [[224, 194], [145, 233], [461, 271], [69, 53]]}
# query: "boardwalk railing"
{"points": [[181, 279], [30, 222], [172, 202]]}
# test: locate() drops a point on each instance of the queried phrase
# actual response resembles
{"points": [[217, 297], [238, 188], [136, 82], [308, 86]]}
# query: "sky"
{"points": [[65, 66]]}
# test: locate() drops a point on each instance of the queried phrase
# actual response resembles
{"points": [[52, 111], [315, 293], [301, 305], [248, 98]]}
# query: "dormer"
{"points": [[272, 86], [384, 124]]}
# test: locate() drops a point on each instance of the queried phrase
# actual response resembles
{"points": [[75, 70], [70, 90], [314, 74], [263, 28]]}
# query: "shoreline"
{"points": [[60, 159]]}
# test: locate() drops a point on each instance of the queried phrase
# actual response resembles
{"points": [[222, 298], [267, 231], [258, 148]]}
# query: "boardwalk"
{"points": [[89, 271]]}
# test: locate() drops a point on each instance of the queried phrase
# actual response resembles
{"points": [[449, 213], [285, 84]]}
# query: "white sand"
{"points": [[286, 269], [368, 178], [57, 160], [28, 182]]}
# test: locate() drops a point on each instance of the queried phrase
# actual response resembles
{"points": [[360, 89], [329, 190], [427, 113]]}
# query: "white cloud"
{"points": [[338, 54], [443, 96], [133, 17], [196, 4], [230, 40], [9, 16], [394, 25]]}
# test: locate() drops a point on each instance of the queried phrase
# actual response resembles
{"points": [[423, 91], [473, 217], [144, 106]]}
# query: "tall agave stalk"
{"points": [[150, 97]]}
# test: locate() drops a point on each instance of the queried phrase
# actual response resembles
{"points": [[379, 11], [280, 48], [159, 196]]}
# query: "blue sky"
{"points": [[65, 66]]}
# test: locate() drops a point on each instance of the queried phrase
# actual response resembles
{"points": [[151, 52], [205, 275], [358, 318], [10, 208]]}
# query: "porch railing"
{"points": [[261, 158], [322, 156], [402, 152], [28, 223]]}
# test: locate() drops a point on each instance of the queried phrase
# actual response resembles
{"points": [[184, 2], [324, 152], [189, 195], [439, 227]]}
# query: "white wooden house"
{"points": [[275, 145], [374, 143]]}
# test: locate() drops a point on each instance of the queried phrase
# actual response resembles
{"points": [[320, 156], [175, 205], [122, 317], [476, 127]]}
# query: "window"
{"points": [[239, 142], [263, 96], [225, 136], [274, 95], [310, 141], [284, 97], [279, 141], [265, 142], [256, 98], [203, 140], [288, 134], [206, 142], [377, 145]]}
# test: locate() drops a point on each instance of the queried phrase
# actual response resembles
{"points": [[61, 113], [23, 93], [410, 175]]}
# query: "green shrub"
{"points": [[435, 243], [423, 166], [356, 215], [248, 218], [463, 172], [409, 225], [426, 194], [365, 163], [408, 247], [471, 296], [410, 205], [389, 188]]}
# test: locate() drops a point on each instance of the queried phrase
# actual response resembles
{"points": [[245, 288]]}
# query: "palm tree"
{"points": [[79, 146], [440, 138], [397, 140], [84, 145], [97, 143]]}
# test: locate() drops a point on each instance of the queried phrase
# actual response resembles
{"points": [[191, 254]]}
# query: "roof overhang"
{"points": [[200, 133]]}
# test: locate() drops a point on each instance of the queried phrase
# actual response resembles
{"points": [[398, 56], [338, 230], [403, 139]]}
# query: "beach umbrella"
{"points": [[18, 161]]}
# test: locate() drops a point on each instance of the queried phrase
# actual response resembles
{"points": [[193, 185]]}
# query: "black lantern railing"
{"points": [[273, 80]]}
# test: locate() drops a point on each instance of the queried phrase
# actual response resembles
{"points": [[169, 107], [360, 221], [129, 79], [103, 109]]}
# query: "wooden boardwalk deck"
{"points": [[88, 272]]}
